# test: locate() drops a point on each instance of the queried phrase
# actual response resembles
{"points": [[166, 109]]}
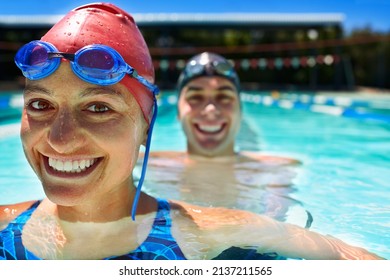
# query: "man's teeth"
{"points": [[210, 128], [71, 166]]}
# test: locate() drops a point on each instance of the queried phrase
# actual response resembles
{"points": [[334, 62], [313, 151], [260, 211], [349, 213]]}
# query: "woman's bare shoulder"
{"points": [[11, 211]]}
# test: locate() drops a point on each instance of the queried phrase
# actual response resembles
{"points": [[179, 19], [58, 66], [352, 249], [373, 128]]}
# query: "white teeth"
{"points": [[71, 166], [59, 165], [68, 166], [210, 128], [82, 164]]}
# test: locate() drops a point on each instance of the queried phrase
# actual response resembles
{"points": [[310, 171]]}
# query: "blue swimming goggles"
{"points": [[95, 64]]}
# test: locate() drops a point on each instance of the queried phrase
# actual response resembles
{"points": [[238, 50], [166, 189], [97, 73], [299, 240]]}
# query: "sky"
{"points": [[358, 13]]}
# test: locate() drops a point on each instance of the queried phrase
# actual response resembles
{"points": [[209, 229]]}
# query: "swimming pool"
{"points": [[343, 143]]}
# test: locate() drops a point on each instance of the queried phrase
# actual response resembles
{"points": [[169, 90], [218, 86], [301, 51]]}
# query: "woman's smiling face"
{"points": [[82, 140], [210, 113]]}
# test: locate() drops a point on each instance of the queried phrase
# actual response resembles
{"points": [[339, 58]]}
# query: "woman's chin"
{"points": [[65, 196]]}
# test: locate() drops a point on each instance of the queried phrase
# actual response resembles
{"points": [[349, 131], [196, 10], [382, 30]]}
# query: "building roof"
{"points": [[239, 19], [177, 19]]}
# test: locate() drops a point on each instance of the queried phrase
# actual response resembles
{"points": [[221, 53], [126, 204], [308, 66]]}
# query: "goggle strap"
{"points": [[146, 83], [145, 162]]}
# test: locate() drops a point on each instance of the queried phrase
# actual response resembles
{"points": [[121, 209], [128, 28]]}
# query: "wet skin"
{"points": [[82, 140]]}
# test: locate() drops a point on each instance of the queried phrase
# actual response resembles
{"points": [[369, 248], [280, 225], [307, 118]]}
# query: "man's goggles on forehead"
{"points": [[196, 68], [95, 64], [222, 68]]}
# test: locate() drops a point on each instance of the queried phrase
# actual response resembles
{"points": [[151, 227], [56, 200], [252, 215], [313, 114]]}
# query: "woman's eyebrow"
{"points": [[93, 91], [35, 88]]}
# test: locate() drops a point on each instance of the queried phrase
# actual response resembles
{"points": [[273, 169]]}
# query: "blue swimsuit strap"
{"points": [[11, 246], [159, 244]]}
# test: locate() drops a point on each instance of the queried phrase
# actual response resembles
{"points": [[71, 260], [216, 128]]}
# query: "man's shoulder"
{"points": [[267, 158], [212, 217], [167, 154]]}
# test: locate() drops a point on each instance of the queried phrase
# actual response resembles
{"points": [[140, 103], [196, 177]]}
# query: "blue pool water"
{"points": [[344, 147]]}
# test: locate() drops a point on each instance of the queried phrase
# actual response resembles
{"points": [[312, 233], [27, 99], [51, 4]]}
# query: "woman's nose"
{"points": [[65, 134]]}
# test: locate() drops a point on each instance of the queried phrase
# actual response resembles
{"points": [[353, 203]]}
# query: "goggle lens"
{"points": [[194, 68], [96, 59], [34, 61], [224, 68], [37, 57]]}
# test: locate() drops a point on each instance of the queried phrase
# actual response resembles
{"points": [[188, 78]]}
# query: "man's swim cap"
{"points": [[106, 24], [208, 64]]}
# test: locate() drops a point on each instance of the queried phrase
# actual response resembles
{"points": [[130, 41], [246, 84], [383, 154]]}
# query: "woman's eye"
{"points": [[98, 108], [39, 105]]}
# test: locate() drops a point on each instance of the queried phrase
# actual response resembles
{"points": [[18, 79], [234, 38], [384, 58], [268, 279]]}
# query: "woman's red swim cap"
{"points": [[104, 23]]}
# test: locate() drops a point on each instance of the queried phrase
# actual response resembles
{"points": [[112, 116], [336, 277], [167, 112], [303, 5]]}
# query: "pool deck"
{"points": [[377, 99], [364, 105], [362, 94]]}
